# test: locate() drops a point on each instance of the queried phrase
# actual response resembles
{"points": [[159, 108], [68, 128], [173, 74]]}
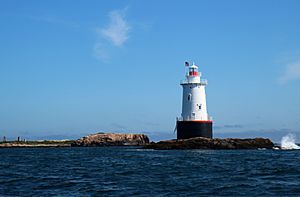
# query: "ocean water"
{"points": [[129, 171]]}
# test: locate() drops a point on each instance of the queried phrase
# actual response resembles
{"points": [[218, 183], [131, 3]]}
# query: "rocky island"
{"points": [[142, 141], [98, 139], [112, 139], [216, 143]]}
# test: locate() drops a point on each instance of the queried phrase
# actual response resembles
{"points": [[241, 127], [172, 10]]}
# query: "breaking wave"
{"points": [[288, 142]]}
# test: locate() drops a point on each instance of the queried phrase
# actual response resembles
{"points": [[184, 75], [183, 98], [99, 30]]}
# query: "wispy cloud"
{"points": [[229, 126], [116, 32], [234, 126], [118, 29], [292, 72]]}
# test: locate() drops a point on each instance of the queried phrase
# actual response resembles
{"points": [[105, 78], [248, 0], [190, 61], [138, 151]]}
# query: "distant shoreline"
{"points": [[36, 144]]}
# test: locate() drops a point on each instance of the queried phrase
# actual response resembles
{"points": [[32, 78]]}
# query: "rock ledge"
{"points": [[207, 143], [112, 139]]}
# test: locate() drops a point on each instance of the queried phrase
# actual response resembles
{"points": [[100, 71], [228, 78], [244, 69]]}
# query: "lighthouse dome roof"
{"points": [[193, 66]]}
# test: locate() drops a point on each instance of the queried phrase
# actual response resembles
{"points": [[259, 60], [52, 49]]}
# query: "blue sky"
{"points": [[69, 68]]}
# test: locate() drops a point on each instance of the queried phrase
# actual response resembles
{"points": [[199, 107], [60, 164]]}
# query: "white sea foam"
{"points": [[288, 142]]}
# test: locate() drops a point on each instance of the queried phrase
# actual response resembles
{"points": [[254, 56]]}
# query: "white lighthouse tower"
{"points": [[194, 120]]}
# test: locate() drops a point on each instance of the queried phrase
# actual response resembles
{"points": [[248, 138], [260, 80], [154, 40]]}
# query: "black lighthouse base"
{"points": [[190, 129]]}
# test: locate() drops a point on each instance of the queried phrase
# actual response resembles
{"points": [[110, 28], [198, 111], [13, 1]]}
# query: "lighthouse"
{"points": [[194, 120]]}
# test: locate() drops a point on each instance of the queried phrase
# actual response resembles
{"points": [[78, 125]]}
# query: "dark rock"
{"points": [[208, 143], [112, 139]]}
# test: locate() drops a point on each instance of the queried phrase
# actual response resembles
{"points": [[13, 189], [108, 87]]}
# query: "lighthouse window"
{"points": [[189, 97]]}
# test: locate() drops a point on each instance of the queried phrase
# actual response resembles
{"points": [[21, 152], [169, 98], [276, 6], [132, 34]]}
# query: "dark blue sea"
{"points": [[136, 172]]}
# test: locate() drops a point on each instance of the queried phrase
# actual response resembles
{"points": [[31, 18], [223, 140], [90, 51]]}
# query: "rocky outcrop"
{"points": [[208, 143], [112, 139]]}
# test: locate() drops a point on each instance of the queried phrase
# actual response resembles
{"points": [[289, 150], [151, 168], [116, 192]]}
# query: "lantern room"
{"points": [[193, 70]]}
